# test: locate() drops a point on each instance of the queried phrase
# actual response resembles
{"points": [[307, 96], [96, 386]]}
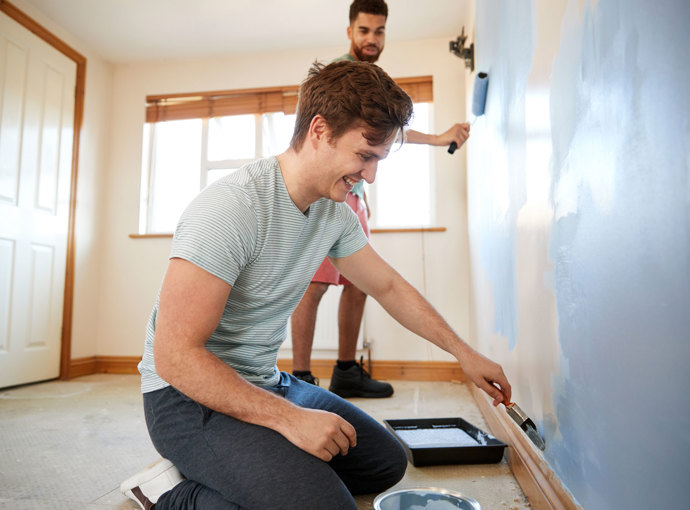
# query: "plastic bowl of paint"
{"points": [[424, 498]]}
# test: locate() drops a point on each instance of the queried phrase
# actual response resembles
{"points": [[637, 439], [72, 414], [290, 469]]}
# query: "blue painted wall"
{"points": [[579, 218]]}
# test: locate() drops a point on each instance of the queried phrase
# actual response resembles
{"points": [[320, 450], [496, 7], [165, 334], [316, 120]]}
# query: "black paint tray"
{"points": [[432, 441]]}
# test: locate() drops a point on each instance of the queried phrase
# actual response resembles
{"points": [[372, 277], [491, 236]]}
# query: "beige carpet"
{"points": [[67, 445]]}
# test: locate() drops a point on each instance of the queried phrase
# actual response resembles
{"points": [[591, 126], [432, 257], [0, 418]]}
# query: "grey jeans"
{"points": [[232, 464]]}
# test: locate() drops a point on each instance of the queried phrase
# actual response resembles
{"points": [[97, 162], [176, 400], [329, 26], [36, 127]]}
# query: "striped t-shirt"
{"points": [[246, 230]]}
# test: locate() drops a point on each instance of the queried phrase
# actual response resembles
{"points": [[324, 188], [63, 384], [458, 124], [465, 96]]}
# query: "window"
{"points": [[402, 194], [191, 140], [188, 155]]}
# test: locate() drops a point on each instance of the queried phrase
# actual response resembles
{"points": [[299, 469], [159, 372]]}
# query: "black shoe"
{"points": [[356, 382], [308, 378]]}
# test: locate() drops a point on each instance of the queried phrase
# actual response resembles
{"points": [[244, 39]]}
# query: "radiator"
{"points": [[326, 330]]}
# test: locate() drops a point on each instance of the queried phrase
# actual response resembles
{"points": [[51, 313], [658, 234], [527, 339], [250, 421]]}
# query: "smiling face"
{"points": [[346, 161], [367, 34], [348, 116]]}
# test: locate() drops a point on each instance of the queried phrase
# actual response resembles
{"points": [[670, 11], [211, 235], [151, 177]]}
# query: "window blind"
{"points": [[196, 105]]}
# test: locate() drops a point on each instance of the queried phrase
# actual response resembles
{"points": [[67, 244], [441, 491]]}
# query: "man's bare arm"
{"points": [[458, 133], [191, 304], [370, 273]]}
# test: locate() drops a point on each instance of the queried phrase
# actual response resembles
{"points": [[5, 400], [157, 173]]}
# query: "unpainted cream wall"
{"points": [[133, 268]]}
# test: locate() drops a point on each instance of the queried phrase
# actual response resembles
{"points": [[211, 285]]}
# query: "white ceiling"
{"points": [[136, 30]]}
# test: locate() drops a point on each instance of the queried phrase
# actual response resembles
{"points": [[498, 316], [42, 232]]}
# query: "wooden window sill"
{"points": [[406, 230], [409, 230], [150, 236]]}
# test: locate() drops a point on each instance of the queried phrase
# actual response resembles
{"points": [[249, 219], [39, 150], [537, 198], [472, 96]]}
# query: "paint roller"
{"points": [[481, 85]]}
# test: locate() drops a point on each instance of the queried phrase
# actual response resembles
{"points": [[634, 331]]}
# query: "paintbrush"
{"points": [[524, 422]]}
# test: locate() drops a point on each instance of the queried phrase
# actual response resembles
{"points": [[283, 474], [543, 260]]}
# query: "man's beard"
{"points": [[364, 57]]}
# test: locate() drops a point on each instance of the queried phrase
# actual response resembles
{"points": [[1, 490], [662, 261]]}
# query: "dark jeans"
{"points": [[232, 464]]}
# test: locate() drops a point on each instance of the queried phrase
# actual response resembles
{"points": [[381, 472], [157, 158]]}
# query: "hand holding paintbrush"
{"points": [[523, 421]]}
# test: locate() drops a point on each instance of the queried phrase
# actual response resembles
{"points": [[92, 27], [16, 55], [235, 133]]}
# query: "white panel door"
{"points": [[37, 88]]}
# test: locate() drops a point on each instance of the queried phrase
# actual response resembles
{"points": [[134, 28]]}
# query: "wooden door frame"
{"points": [[68, 302]]}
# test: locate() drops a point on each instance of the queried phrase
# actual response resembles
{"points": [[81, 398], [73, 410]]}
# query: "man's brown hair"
{"points": [[349, 95], [368, 7]]}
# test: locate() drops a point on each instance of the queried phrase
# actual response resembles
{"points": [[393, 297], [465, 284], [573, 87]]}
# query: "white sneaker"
{"points": [[148, 485]]}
